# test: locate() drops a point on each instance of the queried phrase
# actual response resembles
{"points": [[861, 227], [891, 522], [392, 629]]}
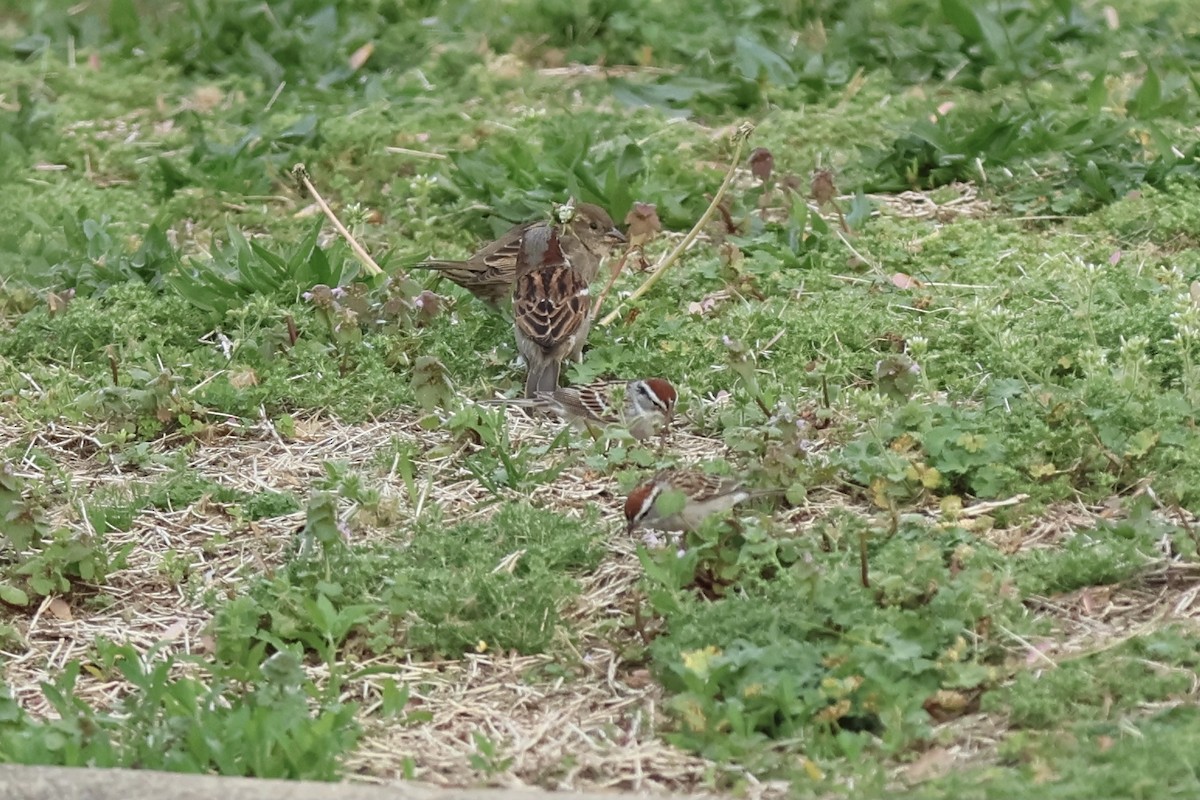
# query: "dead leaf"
{"points": [[707, 303], [360, 56], [643, 223], [639, 679], [240, 379], [174, 631], [946, 704], [1095, 599], [58, 301], [205, 98], [762, 163], [822, 186], [902, 281], [60, 609]]}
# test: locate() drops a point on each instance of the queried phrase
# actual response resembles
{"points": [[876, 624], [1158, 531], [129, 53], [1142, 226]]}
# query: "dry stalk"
{"points": [[300, 174], [404, 151], [740, 136], [616, 272]]}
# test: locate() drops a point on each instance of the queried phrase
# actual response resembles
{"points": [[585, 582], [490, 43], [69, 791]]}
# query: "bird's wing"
{"points": [[594, 402], [550, 305]]}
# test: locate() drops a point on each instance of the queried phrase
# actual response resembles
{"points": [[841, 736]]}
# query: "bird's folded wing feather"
{"points": [[550, 305], [593, 402], [699, 486]]}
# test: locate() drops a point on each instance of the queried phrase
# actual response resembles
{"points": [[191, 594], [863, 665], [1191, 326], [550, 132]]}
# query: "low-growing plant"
{"points": [[497, 584], [243, 268], [38, 559], [270, 724], [803, 648], [1079, 162], [88, 253]]}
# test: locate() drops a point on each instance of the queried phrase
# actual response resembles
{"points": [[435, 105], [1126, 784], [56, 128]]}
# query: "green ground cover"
{"points": [[248, 533]]}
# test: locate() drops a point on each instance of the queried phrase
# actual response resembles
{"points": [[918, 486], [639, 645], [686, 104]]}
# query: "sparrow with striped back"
{"points": [[643, 407], [490, 273], [551, 308], [704, 495]]}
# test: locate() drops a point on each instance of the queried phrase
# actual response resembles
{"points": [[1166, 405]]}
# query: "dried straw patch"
{"points": [[944, 204], [598, 730]]}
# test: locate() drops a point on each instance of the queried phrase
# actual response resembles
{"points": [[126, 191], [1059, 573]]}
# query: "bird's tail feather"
{"points": [[541, 378], [518, 402], [438, 264]]}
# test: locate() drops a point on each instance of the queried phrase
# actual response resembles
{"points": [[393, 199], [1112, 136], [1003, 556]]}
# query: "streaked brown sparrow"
{"points": [[643, 407], [489, 274], [704, 495], [551, 308]]}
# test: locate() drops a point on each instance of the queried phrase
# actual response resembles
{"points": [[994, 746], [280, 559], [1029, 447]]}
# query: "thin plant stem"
{"points": [[739, 140], [300, 174]]}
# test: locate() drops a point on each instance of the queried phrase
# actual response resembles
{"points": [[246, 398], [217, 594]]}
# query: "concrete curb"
{"points": [[73, 783]]}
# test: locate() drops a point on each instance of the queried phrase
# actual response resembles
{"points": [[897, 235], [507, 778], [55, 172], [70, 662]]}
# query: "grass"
{"points": [[245, 482]]}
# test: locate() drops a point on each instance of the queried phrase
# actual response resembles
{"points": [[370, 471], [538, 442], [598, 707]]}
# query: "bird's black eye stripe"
{"points": [[648, 506], [654, 400]]}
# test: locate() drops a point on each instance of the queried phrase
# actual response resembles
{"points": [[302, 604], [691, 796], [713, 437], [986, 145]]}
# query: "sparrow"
{"points": [[551, 308], [704, 494], [643, 407], [489, 274]]}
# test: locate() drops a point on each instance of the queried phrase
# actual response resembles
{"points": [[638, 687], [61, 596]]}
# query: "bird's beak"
{"points": [[630, 527], [614, 236]]}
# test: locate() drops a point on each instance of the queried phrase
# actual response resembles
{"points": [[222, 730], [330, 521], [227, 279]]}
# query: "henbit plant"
{"points": [[39, 559]]}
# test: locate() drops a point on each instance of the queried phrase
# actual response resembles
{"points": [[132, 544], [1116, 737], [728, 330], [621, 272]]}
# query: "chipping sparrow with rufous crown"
{"points": [[704, 495], [489, 274], [643, 407]]}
